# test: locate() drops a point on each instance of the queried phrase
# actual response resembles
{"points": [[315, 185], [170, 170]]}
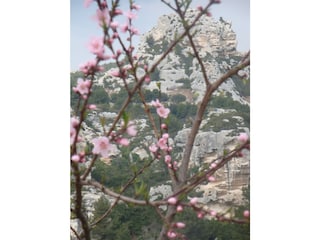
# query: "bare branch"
{"points": [[183, 170], [107, 191], [75, 232]]}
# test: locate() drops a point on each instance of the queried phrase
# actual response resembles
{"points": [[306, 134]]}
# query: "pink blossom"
{"points": [[82, 86], [124, 27], [114, 36], [243, 137], [147, 79], [172, 200], [165, 135], [153, 148], [130, 15], [87, 3], [96, 46], [194, 201], [213, 213], [92, 107], [180, 225], [123, 141], [74, 122], [114, 25], [211, 179], [73, 133], [88, 67], [163, 112], [75, 158], [118, 11], [167, 159], [179, 208], [246, 213], [200, 215], [115, 73], [171, 234], [109, 43], [102, 17], [134, 31], [119, 51], [162, 144], [104, 4], [101, 146], [213, 165], [163, 126], [131, 129], [156, 103], [135, 6]]}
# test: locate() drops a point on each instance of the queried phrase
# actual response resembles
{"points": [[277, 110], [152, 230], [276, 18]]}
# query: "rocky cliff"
{"points": [[216, 43], [180, 73]]}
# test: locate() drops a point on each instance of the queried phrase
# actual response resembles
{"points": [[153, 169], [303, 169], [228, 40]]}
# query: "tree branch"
{"points": [[183, 170]]}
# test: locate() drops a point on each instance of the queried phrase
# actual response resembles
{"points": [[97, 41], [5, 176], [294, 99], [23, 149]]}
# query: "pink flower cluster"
{"points": [[161, 110], [78, 157], [83, 87], [102, 146], [246, 213], [162, 144], [243, 137], [96, 47], [102, 17], [172, 234], [90, 67], [131, 130], [74, 122]]}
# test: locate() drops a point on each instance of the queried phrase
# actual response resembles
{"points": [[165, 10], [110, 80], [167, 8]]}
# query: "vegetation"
{"points": [[118, 171], [134, 222], [123, 167], [124, 222]]}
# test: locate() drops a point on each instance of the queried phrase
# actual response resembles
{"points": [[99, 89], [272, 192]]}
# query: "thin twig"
{"points": [[75, 232]]}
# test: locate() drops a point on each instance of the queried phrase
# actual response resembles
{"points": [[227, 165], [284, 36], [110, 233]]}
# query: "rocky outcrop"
{"points": [[215, 41], [229, 180]]}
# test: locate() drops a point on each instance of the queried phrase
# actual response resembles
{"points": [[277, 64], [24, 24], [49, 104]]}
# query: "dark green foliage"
{"points": [[174, 124], [183, 110], [151, 95], [186, 83], [226, 121], [122, 168], [227, 102], [178, 98], [124, 222], [150, 41], [100, 97]]}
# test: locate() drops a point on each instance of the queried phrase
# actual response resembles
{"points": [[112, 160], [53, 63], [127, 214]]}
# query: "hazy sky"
{"points": [[83, 27]]}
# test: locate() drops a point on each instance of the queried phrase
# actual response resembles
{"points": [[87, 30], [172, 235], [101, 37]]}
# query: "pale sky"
{"points": [[82, 27]]}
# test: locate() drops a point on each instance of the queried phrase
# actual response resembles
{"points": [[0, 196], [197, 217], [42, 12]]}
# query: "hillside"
{"points": [[182, 88]]}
